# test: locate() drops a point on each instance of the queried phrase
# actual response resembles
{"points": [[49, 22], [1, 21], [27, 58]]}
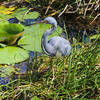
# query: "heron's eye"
{"points": [[51, 26]]}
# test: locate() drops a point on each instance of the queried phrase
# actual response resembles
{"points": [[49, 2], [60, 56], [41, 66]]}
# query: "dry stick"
{"points": [[63, 10], [95, 19], [56, 12], [77, 2], [96, 3], [92, 5], [87, 8], [18, 93], [49, 6], [76, 9], [88, 4], [26, 13], [97, 6]]}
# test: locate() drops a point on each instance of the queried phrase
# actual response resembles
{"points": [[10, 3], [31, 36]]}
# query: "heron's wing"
{"points": [[60, 45]]}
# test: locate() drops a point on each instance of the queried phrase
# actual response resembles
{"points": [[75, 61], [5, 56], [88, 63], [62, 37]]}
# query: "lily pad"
{"points": [[8, 30], [31, 39], [4, 17], [19, 13], [32, 15], [11, 55]]}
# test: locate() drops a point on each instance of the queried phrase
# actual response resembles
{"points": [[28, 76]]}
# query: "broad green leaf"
{"points": [[32, 15], [13, 28], [31, 39], [8, 30], [21, 12], [5, 17], [11, 55]]}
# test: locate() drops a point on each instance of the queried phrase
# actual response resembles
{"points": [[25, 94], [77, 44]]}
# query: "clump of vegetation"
{"points": [[73, 77]]}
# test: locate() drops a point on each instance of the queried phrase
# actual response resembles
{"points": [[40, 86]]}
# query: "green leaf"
{"points": [[31, 39], [8, 30], [96, 36], [5, 17], [11, 55], [19, 13], [13, 28], [32, 15]]}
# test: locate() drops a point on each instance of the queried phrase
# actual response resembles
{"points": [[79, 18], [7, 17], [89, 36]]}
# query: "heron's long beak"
{"points": [[40, 22]]}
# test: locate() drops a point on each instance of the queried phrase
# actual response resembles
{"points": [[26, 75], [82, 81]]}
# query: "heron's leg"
{"points": [[53, 64], [64, 64]]}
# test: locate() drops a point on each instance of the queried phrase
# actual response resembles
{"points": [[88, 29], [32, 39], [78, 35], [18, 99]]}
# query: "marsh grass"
{"points": [[71, 78]]}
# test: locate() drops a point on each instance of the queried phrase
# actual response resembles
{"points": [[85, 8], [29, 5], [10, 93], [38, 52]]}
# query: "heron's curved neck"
{"points": [[45, 44], [50, 31]]}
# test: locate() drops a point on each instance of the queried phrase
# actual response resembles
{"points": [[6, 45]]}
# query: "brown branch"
{"points": [[26, 13], [76, 9], [49, 6], [63, 11], [95, 19], [87, 8]]}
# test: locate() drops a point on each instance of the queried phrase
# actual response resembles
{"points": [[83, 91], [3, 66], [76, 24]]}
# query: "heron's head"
{"points": [[51, 20]]}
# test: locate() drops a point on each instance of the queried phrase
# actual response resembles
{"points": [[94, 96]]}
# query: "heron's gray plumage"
{"points": [[57, 45]]}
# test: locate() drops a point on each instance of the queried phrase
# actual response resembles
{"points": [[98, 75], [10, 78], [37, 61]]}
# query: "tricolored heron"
{"points": [[56, 46]]}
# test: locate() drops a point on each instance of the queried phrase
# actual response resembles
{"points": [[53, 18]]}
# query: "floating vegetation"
{"points": [[23, 13], [31, 39], [10, 32], [11, 55]]}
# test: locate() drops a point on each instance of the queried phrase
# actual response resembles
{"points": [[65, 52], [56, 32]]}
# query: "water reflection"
{"points": [[23, 67], [4, 80]]}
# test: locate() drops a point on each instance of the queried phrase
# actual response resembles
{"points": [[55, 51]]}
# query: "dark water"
{"points": [[22, 66]]}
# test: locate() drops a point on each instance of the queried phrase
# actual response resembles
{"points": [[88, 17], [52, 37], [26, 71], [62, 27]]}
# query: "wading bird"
{"points": [[56, 46]]}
